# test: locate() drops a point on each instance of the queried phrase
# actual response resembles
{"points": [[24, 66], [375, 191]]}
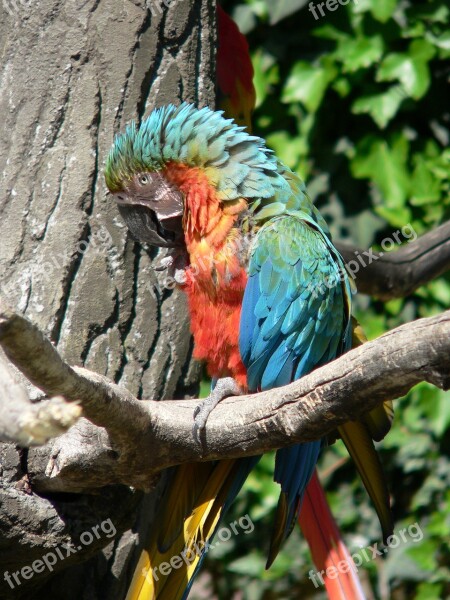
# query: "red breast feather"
{"points": [[216, 277]]}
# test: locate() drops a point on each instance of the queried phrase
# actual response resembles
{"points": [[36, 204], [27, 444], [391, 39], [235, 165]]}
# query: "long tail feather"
{"points": [[293, 469], [326, 546], [360, 446], [198, 496]]}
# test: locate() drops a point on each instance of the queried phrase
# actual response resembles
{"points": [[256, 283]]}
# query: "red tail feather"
{"points": [[335, 568]]}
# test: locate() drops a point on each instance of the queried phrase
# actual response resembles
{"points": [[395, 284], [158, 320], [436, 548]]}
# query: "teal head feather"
{"points": [[237, 164]]}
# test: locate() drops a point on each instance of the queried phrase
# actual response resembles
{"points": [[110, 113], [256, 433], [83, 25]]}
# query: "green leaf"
{"points": [[342, 86], [436, 409], [252, 565], [425, 187], [439, 523], [424, 555], [245, 18], [329, 32], [429, 591], [386, 166], [440, 41], [266, 74], [283, 8], [381, 107], [401, 566], [382, 10], [307, 83], [289, 149], [205, 388], [433, 12], [359, 53], [410, 69]]}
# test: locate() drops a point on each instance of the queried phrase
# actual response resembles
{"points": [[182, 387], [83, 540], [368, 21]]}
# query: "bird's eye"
{"points": [[143, 179]]}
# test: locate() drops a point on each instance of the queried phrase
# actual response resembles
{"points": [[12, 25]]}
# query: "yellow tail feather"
{"points": [[359, 444], [378, 420], [278, 529], [192, 512]]}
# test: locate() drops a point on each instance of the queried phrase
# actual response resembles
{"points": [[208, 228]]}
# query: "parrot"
{"points": [[236, 96], [268, 297]]}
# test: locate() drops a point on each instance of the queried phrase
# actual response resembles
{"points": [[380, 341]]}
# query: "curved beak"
{"points": [[153, 221]]}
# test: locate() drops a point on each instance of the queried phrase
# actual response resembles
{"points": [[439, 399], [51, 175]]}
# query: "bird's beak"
{"points": [[159, 223]]}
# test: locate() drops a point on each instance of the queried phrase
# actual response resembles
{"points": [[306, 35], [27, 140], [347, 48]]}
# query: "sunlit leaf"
{"points": [[382, 10], [385, 164], [411, 68], [360, 52], [425, 187], [381, 107], [307, 84], [429, 591]]}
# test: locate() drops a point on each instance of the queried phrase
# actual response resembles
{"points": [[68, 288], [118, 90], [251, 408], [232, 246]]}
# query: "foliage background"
{"points": [[356, 101]]}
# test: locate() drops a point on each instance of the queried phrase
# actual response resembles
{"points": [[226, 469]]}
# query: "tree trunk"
{"points": [[72, 75]]}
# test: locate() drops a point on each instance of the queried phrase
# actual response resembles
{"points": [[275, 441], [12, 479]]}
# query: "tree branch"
{"points": [[303, 411], [399, 273], [26, 423]]}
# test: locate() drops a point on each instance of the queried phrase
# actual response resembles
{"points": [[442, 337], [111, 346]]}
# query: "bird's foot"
{"points": [[224, 388]]}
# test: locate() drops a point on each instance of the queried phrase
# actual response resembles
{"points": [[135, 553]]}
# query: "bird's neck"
{"points": [[211, 231], [206, 217]]}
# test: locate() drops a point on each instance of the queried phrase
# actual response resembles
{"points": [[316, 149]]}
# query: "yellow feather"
{"points": [[359, 444], [186, 494], [378, 420], [192, 511]]}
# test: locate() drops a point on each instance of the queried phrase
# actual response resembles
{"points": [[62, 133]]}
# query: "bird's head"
{"points": [[233, 163], [152, 208]]}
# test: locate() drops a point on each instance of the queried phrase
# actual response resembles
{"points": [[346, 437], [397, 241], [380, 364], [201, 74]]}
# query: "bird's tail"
{"points": [[198, 496], [358, 437], [235, 91], [335, 567]]}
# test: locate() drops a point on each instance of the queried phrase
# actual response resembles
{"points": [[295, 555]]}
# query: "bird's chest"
{"points": [[215, 288]]}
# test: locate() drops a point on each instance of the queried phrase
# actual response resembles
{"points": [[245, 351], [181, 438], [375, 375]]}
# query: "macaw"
{"points": [[249, 249], [236, 96]]}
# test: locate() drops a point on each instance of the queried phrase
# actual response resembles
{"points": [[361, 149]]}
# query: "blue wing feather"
{"points": [[292, 321]]}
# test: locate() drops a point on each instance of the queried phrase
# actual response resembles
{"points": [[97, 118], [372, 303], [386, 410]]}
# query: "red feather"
{"points": [[335, 567], [234, 71], [216, 278]]}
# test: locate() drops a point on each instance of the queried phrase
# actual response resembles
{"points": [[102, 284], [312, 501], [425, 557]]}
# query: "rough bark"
{"points": [[71, 75]]}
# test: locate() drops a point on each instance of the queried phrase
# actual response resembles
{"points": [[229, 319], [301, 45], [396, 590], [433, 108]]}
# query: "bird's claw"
{"points": [[201, 414], [224, 387]]}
